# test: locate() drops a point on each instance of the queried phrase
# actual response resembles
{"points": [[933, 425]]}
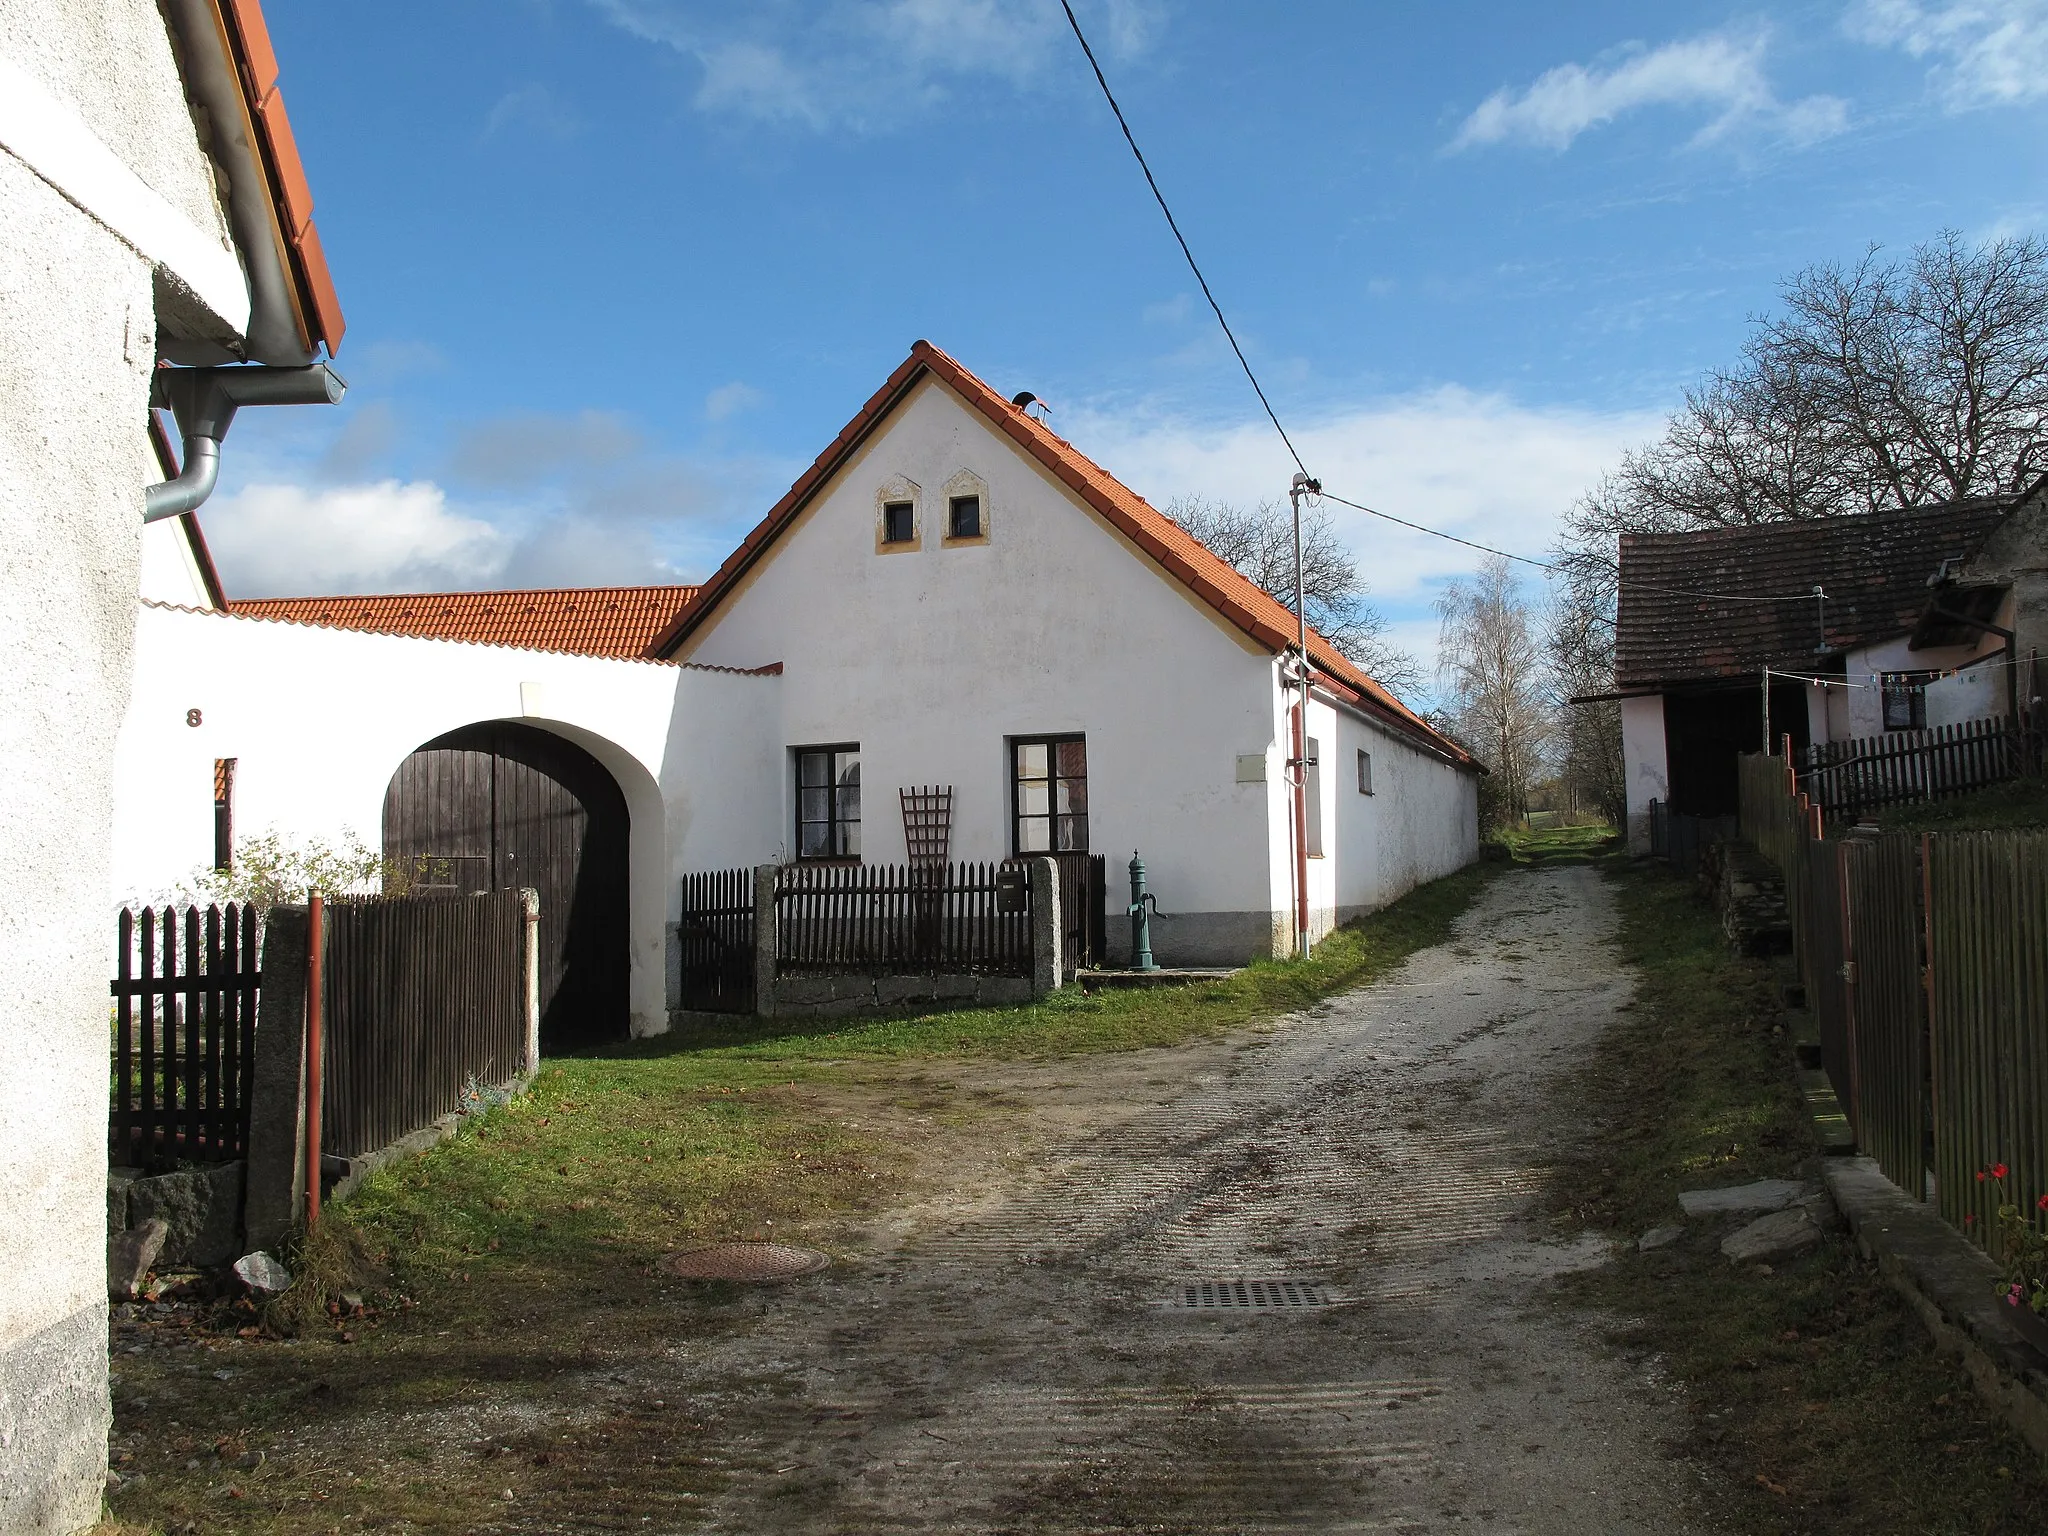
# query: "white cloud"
{"points": [[534, 107], [1986, 52], [728, 400], [1476, 465], [387, 536], [865, 64], [1720, 73]]}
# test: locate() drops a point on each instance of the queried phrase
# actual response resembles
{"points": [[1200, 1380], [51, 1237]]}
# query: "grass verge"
{"points": [[506, 1267], [1812, 1388], [2022, 803]]}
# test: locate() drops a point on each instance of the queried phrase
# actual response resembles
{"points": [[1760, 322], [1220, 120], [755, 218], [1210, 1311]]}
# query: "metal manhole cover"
{"points": [[760, 1263], [1265, 1294]]}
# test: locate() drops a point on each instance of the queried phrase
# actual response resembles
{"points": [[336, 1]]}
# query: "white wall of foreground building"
{"points": [[319, 719], [934, 657], [106, 205], [1419, 823]]}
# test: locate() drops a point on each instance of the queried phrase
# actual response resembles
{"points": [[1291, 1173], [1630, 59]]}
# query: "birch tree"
{"points": [[1492, 667]]}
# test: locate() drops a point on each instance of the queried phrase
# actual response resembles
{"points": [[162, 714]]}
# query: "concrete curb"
{"points": [[1948, 1281]]}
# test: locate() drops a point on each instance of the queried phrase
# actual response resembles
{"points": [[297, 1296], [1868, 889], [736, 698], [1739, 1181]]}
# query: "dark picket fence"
{"points": [[423, 997], [185, 990], [1925, 960], [1084, 908], [1867, 773], [894, 919], [715, 940]]}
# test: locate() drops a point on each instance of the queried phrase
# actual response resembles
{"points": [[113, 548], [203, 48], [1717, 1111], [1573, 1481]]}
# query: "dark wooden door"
{"points": [[503, 805]]}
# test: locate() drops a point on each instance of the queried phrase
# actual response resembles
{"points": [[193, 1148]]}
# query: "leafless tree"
{"points": [[1886, 383], [1587, 748], [1496, 694], [1259, 543]]}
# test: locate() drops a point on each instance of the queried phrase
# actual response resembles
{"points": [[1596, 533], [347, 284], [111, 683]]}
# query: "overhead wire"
{"points": [[1273, 416]]}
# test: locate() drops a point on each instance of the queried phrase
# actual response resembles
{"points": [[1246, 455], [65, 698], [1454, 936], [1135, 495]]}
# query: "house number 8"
{"points": [[193, 717]]}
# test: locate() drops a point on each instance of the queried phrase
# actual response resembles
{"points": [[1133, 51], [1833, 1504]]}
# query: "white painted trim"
{"points": [[46, 133]]}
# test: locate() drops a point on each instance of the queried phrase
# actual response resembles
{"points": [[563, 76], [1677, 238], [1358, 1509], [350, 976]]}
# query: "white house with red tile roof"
{"points": [[949, 598]]}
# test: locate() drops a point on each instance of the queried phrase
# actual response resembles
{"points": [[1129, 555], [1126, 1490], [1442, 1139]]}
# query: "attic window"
{"points": [[899, 522], [963, 517]]}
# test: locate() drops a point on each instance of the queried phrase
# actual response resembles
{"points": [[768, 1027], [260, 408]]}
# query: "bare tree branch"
{"points": [[1259, 543]]}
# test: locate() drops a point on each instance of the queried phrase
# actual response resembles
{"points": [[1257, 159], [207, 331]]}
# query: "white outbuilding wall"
{"points": [[933, 657], [319, 719]]}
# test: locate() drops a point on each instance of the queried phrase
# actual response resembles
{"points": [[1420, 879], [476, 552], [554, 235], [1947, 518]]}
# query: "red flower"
{"points": [[1980, 1175], [2042, 1202], [1998, 1170], [1970, 1216]]}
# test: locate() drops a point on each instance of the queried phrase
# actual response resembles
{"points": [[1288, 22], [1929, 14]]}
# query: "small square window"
{"points": [[963, 517], [899, 522], [1364, 771]]}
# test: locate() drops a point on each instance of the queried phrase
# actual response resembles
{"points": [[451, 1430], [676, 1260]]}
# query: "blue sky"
{"points": [[615, 270]]}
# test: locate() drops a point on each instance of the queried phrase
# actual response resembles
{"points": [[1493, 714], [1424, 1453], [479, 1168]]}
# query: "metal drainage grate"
{"points": [[1212, 1294], [760, 1263]]}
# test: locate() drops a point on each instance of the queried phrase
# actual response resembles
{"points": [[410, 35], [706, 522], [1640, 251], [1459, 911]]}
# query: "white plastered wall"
{"points": [[318, 720], [1862, 713], [105, 202], [1420, 823], [170, 567], [934, 658], [1646, 772]]}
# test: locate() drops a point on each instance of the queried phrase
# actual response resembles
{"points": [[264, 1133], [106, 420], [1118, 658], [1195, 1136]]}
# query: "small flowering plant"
{"points": [[2020, 1246]]}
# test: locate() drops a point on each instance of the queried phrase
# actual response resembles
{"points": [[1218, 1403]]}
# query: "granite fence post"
{"points": [[764, 940], [275, 1172], [1047, 967]]}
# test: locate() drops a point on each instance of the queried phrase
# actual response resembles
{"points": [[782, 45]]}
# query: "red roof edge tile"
{"points": [[256, 63], [1239, 601]]}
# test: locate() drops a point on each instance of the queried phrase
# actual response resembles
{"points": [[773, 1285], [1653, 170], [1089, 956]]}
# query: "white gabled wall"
{"points": [[1420, 822], [933, 658], [170, 568], [318, 720]]}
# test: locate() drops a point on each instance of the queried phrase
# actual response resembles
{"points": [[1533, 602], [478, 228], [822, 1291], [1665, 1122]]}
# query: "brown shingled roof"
{"points": [[1874, 568], [586, 621], [1241, 602]]}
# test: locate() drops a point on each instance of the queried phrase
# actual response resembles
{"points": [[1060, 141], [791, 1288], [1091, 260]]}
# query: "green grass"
{"points": [[1812, 1387], [2022, 803]]}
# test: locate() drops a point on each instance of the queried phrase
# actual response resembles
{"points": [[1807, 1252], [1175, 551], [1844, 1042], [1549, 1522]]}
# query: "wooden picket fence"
{"points": [[185, 989], [1867, 773], [715, 941], [891, 919], [1925, 960]]}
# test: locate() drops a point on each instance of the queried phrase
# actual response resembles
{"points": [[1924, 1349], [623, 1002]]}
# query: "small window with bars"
{"points": [[899, 522], [1049, 794], [828, 802]]}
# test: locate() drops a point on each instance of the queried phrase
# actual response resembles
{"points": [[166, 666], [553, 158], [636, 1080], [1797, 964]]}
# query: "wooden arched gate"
{"points": [[502, 805]]}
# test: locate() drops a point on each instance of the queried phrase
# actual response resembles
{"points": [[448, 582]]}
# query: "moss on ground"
{"points": [[1813, 1389]]}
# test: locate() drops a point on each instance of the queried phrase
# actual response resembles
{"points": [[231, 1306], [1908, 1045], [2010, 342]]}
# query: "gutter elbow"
{"points": [[194, 483]]}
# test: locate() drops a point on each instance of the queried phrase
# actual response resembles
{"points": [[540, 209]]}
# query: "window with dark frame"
{"points": [[899, 522], [1905, 700], [1364, 771], [963, 517], [828, 802], [224, 813], [1049, 794]]}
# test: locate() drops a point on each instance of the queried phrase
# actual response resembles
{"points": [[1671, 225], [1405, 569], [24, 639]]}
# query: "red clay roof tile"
{"points": [[584, 621]]}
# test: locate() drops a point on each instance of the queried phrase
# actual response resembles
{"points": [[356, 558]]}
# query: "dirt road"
{"points": [[1017, 1353]]}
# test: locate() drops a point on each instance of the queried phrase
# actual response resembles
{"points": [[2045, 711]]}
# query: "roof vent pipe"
{"points": [[204, 401]]}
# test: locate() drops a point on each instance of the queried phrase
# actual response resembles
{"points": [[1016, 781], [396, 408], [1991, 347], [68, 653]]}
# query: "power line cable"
{"points": [[1273, 416], [1174, 225]]}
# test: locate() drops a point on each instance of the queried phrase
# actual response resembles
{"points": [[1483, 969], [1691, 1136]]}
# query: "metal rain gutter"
{"points": [[204, 401]]}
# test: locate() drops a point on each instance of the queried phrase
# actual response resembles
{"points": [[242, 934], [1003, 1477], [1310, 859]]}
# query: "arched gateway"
{"points": [[502, 805]]}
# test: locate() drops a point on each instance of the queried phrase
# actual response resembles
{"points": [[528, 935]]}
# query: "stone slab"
{"points": [[1781, 1235], [201, 1209], [1658, 1237], [130, 1255], [1745, 1199]]}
